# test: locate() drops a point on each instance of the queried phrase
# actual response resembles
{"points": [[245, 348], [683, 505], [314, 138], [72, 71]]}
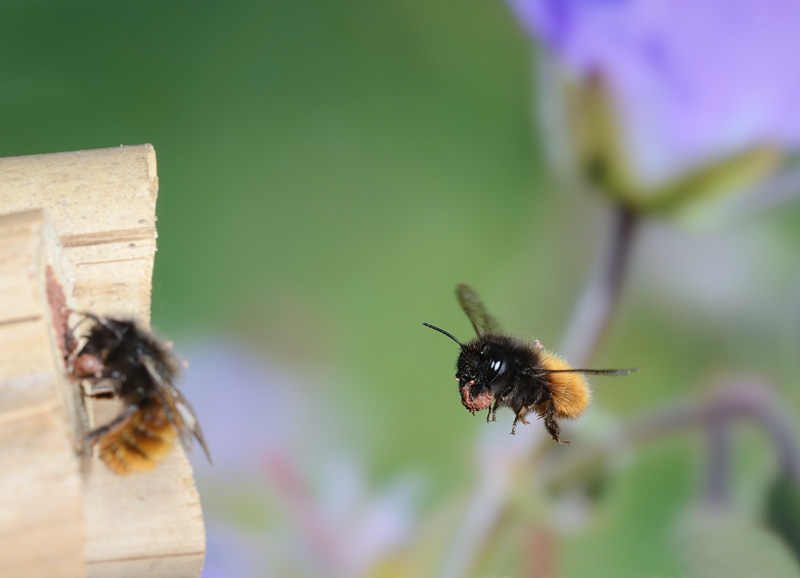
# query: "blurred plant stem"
{"points": [[744, 399], [719, 458], [600, 297], [590, 321], [540, 545]]}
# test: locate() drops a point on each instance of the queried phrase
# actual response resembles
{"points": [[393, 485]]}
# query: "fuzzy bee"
{"points": [[121, 359], [497, 370]]}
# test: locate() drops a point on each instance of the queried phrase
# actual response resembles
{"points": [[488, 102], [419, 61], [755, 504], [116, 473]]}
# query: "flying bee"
{"points": [[498, 370], [121, 359]]}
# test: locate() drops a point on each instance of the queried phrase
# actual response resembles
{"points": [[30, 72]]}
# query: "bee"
{"points": [[121, 359], [497, 370]]}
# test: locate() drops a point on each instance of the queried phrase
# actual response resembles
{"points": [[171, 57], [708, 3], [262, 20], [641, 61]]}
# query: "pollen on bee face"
{"points": [[482, 401], [86, 365]]}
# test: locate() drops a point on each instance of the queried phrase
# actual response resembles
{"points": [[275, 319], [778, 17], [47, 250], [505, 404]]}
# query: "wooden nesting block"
{"points": [[42, 527], [102, 206]]}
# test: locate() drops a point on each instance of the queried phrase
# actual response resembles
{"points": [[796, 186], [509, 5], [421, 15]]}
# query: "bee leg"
{"points": [[102, 376], [520, 418], [96, 389], [104, 383], [492, 411], [551, 424], [96, 433]]}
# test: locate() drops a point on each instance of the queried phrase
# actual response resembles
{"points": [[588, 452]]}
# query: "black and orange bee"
{"points": [[121, 359], [497, 370]]}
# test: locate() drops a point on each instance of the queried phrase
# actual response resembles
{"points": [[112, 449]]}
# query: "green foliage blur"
{"points": [[327, 171], [330, 170]]}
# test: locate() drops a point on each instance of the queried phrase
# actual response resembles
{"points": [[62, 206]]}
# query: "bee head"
{"points": [[482, 365], [480, 370], [105, 336]]}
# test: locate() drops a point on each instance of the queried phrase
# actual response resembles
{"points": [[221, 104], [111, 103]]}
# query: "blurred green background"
{"points": [[329, 170]]}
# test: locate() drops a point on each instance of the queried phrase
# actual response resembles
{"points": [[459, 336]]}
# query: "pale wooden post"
{"points": [[101, 204], [42, 522]]}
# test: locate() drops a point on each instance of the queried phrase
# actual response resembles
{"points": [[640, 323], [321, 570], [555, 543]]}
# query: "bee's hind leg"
{"points": [[96, 433], [551, 424], [91, 389], [520, 418]]}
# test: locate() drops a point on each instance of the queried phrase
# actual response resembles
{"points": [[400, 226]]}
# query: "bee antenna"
{"points": [[593, 371], [445, 332], [85, 315]]}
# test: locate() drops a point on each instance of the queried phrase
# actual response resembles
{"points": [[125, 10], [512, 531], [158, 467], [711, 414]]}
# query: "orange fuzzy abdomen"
{"points": [[139, 443], [569, 392]]}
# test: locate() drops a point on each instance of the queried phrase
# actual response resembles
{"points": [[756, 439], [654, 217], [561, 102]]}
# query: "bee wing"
{"points": [[191, 424], [471, 304], [179, 411]]}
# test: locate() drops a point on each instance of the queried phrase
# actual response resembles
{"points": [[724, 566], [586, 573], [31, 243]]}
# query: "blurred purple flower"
{"points": [[232, 553], [692, 82], [283, 496], [247, 408], [347, 528]]}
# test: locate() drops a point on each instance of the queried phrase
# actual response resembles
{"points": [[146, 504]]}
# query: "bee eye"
{"points": [[495, 367]]}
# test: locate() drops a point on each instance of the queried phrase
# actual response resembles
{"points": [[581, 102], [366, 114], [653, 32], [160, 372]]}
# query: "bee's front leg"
{"points": [[493, 411]]}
